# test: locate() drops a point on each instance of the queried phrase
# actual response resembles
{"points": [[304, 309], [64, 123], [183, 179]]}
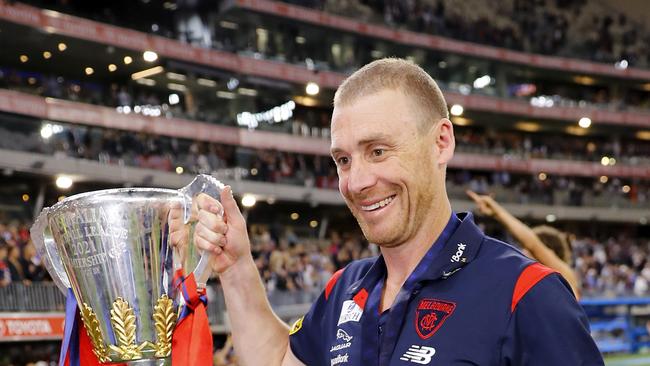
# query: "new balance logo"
{"points": [[419, 354]]}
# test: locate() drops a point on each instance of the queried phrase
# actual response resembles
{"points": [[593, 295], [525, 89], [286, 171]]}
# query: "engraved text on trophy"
{"points": [[91, 236]]}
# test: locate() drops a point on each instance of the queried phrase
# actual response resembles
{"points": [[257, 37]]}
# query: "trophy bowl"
{"points": [[112, 248]]}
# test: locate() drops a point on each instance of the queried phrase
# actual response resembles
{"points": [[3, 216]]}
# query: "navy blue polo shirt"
{"points": [[472, 300]]}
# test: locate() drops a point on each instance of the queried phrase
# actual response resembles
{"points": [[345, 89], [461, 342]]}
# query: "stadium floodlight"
{"points": [[232, 84], [47, 131], [457, 110], [178, 87], [482, 82], [63, 182], [248, 200], [226, 95], [146, 73], [584, 122], [621, 65], [312, 88], [150, 56], [176, 76], [604, 161], [206, 82]]}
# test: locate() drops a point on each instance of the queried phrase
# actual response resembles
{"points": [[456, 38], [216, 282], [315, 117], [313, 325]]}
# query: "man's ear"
{"points": [[445, 141]]}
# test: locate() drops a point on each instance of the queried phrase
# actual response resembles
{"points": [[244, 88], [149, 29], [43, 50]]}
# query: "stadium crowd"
{"points": [[237, 162], [608, 265], [572, 28]]}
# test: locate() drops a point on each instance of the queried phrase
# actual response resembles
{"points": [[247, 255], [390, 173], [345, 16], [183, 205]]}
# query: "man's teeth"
{"points": [[375, 206]]}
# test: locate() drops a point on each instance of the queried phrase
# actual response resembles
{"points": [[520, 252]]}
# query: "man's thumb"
{"points": [[230, 208]]}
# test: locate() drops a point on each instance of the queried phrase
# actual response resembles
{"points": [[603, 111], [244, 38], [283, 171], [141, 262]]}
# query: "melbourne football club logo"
{"points": [[430, 314]]}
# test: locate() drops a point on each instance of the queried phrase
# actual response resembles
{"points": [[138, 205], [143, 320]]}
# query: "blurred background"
{"points": [[550, 100]]}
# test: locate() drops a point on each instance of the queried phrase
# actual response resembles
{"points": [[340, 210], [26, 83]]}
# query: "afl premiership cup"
{"points": [[112, 248]]}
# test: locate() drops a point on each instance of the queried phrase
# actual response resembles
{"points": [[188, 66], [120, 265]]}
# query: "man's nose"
{"points": [[361, 177]]}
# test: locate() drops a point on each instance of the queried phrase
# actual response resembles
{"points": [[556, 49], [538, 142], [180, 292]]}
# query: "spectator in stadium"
{"points": [[17, 266], [5, 274], [391, 141], [545, 244]]}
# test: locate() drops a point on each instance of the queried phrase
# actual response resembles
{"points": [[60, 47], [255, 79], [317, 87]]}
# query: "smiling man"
{"points": [[441, 293]]}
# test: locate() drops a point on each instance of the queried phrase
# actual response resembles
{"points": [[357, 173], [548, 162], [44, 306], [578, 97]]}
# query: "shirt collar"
{"points": [[455, 247]]}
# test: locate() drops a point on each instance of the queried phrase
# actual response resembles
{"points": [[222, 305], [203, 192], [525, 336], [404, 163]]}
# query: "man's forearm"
{"points": [[259, 336]]}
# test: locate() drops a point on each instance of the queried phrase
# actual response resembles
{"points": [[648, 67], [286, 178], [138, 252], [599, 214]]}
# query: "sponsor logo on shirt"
{"points": [[339, 359], [342, 335], [459, 253], [350, 312], [419, 354], [447, 274], [430, 314], [297, 325]]}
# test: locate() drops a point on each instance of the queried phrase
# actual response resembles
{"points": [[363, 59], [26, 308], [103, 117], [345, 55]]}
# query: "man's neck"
{"points": [[402, 260]]}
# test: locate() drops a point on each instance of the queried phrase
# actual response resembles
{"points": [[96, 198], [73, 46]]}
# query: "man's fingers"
{"points": [[176, 212], [209, 235], [212, 222], [205, 202], [205, 245], [231, 210]]}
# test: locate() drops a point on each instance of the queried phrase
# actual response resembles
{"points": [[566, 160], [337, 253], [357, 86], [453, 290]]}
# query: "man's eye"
{"points": [[342, 160], [378, 152]]}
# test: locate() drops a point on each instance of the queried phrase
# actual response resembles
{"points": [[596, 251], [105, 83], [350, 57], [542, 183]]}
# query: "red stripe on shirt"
{"points": [[332, 282], [528, 278]]}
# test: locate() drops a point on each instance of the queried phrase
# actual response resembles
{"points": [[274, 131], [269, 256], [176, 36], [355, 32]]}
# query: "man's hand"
{"points": [[225, 234]]}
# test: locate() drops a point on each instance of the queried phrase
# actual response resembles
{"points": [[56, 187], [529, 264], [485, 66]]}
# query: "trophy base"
{"points": [[155, 362]]}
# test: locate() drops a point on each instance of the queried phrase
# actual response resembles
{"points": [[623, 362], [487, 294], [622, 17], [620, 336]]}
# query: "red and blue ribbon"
{"points": [[192, 339], [76, 349]]}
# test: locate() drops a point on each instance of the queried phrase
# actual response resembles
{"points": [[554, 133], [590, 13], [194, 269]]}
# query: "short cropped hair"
{"points": [[395, 74], [555, 240]]}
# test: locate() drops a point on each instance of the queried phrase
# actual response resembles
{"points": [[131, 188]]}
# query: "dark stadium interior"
{"points": [[550, 101]]}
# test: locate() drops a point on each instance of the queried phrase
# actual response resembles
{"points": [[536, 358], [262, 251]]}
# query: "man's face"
{"points": [[390, 172]]}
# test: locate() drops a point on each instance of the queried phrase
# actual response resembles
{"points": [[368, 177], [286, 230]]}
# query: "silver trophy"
{"points": [[113, 248]]}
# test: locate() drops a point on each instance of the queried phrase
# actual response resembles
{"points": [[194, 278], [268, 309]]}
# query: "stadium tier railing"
{"points": [[45, 298], [617, 324], [58, 23]]}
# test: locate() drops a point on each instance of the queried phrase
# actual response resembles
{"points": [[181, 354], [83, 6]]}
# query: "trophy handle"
{"points": [[46, 247], [212, 187]]}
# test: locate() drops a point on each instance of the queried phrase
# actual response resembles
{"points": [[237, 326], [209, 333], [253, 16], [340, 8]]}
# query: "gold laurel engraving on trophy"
{"points": [[123, 321], [92, 328], [164, 318]]}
